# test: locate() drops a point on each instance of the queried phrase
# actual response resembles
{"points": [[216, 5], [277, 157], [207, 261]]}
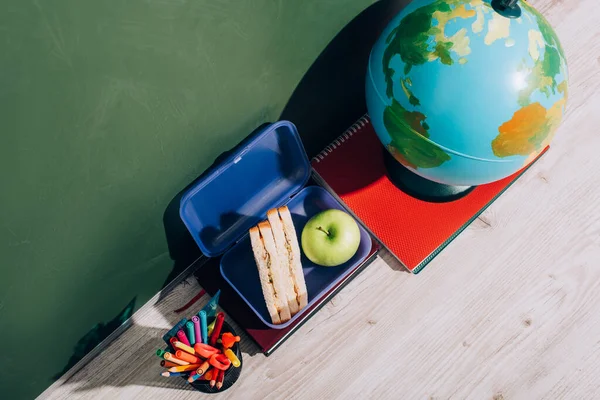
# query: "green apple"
{"points": [[330, 238]]}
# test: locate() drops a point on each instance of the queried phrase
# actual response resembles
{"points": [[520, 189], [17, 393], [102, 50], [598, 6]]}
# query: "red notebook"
{"points": [[413, 230]]}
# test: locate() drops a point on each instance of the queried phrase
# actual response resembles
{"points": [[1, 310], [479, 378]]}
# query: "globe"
{"points": [[463, 94]]}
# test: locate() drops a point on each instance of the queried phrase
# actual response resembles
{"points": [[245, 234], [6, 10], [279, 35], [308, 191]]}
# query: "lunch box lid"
{"points": [[262, 172]]}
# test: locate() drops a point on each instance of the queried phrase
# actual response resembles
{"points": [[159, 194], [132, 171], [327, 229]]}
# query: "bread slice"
{"points": [[276, 275], [295, 256], [284, 253], [262, 263]]}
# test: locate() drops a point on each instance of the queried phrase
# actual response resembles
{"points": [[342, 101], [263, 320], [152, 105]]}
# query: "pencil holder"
{"points": [[231, 374], [208, 343]]}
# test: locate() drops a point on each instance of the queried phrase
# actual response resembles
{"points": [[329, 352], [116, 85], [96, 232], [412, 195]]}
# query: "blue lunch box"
{"points": [[269, 169]]}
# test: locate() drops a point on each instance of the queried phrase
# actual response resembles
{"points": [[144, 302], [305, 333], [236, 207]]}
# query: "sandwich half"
{"points": [[289, 254], [269, 271]]}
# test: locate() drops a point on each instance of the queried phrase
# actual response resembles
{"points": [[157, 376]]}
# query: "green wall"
{"points": [[108, 109]]}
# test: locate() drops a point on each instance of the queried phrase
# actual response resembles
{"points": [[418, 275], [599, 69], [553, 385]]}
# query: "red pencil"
{"points": [[220, 379], [168, 364], [217, 329]]}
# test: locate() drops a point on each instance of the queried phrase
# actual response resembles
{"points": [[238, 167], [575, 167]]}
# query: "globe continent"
{"points": [[463, 95]]}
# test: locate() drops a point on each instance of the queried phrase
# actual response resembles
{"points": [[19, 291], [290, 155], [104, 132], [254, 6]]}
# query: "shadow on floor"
{"points": [[133, 355]]}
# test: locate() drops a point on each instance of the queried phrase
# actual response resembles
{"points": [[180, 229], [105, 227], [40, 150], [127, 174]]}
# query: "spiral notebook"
{"points": [[413, 230]]}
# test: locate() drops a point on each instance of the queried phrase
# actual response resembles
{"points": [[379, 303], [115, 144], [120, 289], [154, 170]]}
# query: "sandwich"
{"points": [[277, 256], [273, 288], [286, 241]]}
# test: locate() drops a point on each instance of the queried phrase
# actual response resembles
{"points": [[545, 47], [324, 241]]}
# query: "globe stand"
{"points": [[419, 187], [507, 8]]}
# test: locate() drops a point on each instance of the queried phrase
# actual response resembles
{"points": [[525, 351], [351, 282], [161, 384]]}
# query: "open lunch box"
{"points": [[269, 169]]}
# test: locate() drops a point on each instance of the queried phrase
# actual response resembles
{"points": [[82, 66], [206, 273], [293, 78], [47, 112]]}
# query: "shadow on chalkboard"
{"points": [[183, 250], [95, 336], [328, 99], [331, 95]]}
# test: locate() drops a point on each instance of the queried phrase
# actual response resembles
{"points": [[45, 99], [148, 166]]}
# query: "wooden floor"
{"points": [[510, 310]]}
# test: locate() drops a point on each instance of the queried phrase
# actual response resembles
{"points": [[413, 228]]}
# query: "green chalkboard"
{"points": [[108, 109]]}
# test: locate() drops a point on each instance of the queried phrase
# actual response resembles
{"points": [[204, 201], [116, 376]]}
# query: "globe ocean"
{"points": [[462, 95]]}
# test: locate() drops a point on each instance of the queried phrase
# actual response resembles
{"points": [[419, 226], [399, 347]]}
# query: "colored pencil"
{"points": [[168, 364], [203, 326], [182, 355], [182, 346], [182, 368], [182, 337], [193, 376], [220, 377], [170, 357], [197, 332], [168, 374], [208, 374], [232, 357], [202, 369], [191, 334], [217, 331]]}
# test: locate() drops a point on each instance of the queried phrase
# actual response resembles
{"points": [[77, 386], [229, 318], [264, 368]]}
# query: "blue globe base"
{"points": [[419, 187]]}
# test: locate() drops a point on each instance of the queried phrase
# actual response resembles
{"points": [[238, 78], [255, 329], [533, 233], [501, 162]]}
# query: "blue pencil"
{"points": [[193, 377], [168, 374], [190, 333], [203, 326]]}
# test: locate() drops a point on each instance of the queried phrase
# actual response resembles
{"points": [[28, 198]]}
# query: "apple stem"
{"points": [[323, 230]]}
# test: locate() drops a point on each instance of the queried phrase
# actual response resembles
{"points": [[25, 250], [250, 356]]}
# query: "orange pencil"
{"points": [[203, 368], [220, 377], [168, 364], [208, 375], [200, 375], [170, 357], [182, 355], [184, 347], [183, 368]]}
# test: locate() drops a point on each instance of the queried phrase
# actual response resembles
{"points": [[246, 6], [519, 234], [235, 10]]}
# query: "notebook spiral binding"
{"points": [[360, 123]]}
